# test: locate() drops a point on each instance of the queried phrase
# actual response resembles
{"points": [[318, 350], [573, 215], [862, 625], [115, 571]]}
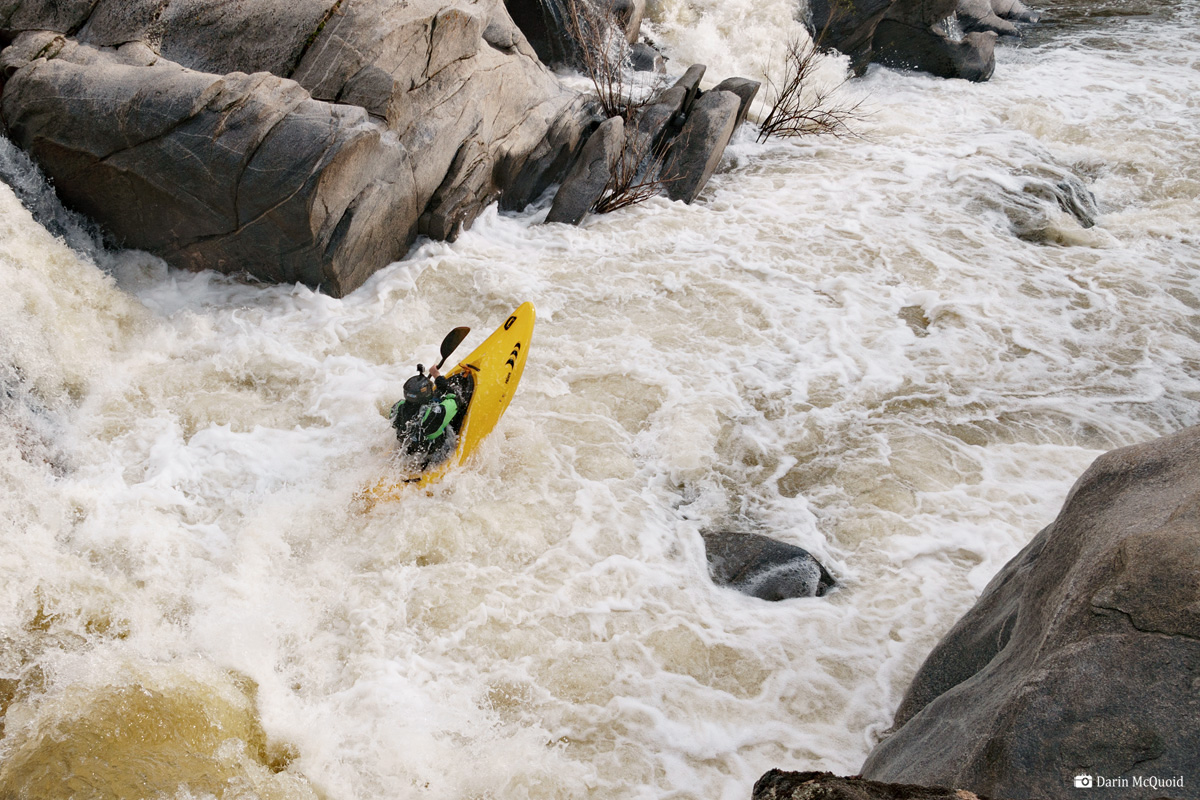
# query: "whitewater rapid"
{"points": [[897, 351]]}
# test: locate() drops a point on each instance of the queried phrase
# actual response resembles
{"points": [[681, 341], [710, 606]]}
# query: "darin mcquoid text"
{"points": [[1136, 781]]}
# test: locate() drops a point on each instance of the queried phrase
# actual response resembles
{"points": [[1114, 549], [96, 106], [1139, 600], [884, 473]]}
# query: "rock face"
{"points": [[673, 143], [304, 141], [847, 26], [917, 34], [763, 567], [1082, 656], [590, 174], [779, 785], [696, 152], [745, 89], [548, 26], [928, 49]]}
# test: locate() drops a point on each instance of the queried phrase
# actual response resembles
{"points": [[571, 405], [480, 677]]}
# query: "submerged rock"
{"points": [[1034, 201], [1082, 655], [763, 567], [161, 732]]}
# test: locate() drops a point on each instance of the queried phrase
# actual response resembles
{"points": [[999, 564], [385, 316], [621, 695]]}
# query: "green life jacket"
{"points": [[451, 405]]}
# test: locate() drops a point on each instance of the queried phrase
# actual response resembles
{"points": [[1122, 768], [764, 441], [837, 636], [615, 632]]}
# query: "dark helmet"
{"points": [[418, 389]]}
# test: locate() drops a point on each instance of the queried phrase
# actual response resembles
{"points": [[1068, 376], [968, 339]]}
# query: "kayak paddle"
{"points": [[453, 339]]}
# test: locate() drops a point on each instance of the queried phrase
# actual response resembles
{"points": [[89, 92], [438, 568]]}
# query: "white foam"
{"points": [[842, 344]]}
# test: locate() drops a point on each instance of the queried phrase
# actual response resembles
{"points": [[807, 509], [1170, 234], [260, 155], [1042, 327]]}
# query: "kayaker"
{"points": [[424, 417]]}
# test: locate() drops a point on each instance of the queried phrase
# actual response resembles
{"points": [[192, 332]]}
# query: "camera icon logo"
{"points": [[1083, 781]]}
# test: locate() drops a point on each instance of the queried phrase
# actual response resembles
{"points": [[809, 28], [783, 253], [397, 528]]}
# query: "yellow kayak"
{"points": [[495, 369]]}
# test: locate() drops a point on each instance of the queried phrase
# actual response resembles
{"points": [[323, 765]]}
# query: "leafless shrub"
{"points": [[636, 176], [796, 112], [604, 56]]}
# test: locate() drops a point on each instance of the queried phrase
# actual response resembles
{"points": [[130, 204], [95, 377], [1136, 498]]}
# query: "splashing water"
{"points": [[896, 351]]}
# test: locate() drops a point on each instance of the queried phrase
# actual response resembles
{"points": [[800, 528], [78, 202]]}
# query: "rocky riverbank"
{"points": [[1077, 668], [314, 142]]}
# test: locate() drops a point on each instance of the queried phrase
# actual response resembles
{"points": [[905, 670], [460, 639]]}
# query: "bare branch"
{"points": [[796, 113], [604, 56], [632, 181]]}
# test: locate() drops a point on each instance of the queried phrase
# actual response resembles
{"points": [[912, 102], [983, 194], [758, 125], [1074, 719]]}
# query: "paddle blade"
{"points": [[453, 339]]}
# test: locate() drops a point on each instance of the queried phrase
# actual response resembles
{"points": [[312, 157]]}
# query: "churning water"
{"points": [[897, 351]]}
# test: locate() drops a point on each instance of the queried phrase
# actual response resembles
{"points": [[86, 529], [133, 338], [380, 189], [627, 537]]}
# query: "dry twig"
{"points": [[795, 113], [604, 56], [636, 177]]}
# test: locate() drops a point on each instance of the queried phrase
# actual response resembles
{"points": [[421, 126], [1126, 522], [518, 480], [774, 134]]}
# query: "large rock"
{"points": [[590, 174], [644, 58], [1082, 656], [745, 89], [780, 785], [302, 141], [674, 143], [847, 26], [929, 49], [696, 152], [914, 34]]}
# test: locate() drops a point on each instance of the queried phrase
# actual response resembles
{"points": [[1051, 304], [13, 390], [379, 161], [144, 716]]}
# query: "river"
{"points": [[896, 350]]}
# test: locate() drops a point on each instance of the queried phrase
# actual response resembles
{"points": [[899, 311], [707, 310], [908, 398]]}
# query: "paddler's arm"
{"points": [[439, 383]]}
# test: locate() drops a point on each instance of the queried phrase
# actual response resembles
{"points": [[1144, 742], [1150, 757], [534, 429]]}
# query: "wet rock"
{"points": [[978, 15], [674, 143], [1032, 203], [1081, 655], [914, 34], [629, 14], [847, 26], [653, 124], [590, 174], [745, 89], [696, 152], [644, 58], [21, 175], [31, 428], [1074, 197], [301, 141], [544, 25], [779, 785], [548, 27], [763, 567], [689, 83], [929, 49], [1014, 10]]}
